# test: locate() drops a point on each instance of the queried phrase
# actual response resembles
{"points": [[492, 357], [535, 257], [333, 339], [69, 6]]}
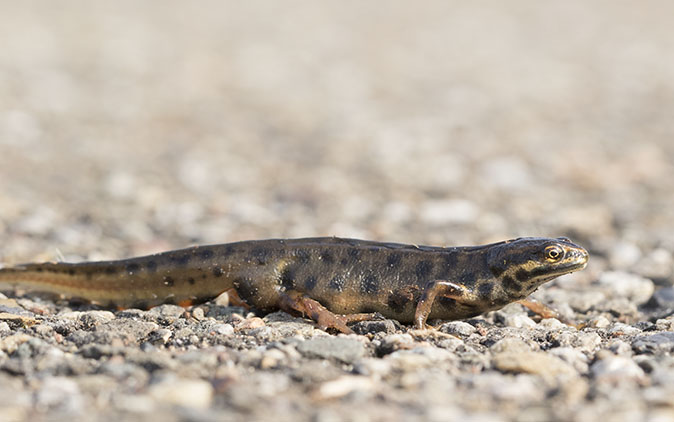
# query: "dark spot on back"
{"points": [[326, 257], [303, 255], [245, 288], [511, 284], [310, 282], [354, 253], [445, 301], [369, 284], [169, 281], [39, 269], [450, 259], [344, 261], [467, 279], [337, 283], [448, 265], [151, 266], [110, 270], [71, 271], [170, 300], [217, 271], [191, 280], [141, 304], [288, 278], [132, 268], [398, 300], [180, 260], [206, 253], [260, 255], [423, 269], [393, 260], [484, 289], [227, 251]]}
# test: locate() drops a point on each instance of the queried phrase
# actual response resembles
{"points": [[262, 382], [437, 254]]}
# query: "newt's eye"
{"points": [[553, 253]]}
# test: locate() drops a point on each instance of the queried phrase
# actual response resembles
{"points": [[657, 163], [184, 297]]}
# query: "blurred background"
{"points": [[128, 128]]}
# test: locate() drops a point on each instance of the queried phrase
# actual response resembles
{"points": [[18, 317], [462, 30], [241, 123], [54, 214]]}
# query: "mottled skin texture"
{"points": [[347, 276]]}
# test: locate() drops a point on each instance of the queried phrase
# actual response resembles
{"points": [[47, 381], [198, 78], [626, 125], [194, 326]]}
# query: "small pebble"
{"points": [[599, 321], [458, 328], [615, 369], [190, 393], [224, 329], [632, 287], [655, 343], [342, 349]]}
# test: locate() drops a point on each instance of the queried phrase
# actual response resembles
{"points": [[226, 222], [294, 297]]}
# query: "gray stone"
{"points": [[457, 328], [190, 393], [654, 343], [166, 314], [664, 297], [345, 350], [620, 329], [584, 301], [616, 369], [372, 327], [633, 287]]}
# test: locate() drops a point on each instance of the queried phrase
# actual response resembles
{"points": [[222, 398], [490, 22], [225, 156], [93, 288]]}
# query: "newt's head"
{"points": [[521, 265]]}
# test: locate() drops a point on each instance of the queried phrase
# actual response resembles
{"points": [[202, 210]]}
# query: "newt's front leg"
{"points": [[293, 300], [458, 292]]}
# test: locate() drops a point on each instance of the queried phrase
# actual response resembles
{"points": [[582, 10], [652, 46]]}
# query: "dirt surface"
{"points": [[129, 129]]}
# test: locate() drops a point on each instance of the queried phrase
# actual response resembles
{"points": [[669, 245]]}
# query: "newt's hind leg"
{"points": [[444, 288], [293, 300]]}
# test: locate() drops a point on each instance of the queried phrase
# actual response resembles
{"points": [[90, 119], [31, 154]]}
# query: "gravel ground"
{"points": [[127, 129]]}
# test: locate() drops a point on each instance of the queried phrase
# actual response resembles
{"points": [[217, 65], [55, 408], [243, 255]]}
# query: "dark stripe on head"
{"points": [[511, 284], [522, 275], [169, 281], [497, 270], [191, 280]]}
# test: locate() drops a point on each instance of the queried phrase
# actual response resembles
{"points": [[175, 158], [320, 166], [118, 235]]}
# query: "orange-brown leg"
{"points": [[434, 288], [235, 299], [295, 301], [544, 311]]}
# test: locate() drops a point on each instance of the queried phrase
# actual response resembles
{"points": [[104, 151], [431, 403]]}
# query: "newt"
{"points": [[333, 280]]}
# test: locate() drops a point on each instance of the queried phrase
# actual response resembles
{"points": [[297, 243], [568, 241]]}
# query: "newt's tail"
{"points": [[122, 284]]}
